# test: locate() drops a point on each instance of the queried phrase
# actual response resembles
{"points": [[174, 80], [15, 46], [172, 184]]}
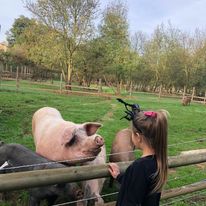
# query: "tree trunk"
{"points": [[118, 89], [69, 74]]}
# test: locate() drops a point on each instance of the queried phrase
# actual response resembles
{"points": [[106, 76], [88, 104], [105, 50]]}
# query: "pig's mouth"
{"points": [[92, 152], [96, 151], [78, 194]]}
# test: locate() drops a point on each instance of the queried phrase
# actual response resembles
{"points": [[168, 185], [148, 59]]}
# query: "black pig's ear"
{"points": [[91, 127]]}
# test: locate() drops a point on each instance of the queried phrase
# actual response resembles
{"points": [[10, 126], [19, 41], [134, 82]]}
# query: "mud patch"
{"points": [[171, 171], [201, 166]]}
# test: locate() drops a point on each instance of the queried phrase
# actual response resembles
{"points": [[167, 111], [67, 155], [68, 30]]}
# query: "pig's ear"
{"points": [[91, 127]]}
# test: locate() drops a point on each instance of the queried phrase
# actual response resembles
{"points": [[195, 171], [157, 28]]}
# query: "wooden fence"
{"points": [[22, 180], [194, 98], [19, 72], [26, 73], [59, 88]]}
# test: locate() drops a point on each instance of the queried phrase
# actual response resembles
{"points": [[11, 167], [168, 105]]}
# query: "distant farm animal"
{"points": [[92, 188], [122, 148], [186, 101], [57, 139], [17, 156]]}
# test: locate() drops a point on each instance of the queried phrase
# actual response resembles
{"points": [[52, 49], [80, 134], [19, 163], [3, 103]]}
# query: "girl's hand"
{"points": [[114, 170]]}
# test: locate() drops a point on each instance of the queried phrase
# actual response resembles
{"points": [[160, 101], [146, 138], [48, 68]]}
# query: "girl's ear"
{"points": [[136, 138], [137, 134]]}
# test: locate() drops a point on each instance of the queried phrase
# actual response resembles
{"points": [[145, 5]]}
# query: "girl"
{"points": [[143, 180]]}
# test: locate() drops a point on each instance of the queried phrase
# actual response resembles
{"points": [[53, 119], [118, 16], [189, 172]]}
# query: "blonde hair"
{"points": [[155, 130]]}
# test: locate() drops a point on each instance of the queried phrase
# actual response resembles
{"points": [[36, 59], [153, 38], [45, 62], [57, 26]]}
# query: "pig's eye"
{"points": [[72, 141]]}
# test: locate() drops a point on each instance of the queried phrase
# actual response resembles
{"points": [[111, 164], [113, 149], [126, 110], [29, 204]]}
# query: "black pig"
{"points": [[16, 155]]}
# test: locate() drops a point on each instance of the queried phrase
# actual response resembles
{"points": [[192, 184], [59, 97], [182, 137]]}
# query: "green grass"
{"points": [[185, 123]]}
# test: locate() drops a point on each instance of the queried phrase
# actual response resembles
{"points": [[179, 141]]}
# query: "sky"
{"points": [[143, 15]]}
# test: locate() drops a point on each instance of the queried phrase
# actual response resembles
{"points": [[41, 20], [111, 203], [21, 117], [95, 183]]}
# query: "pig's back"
{"points": [[123, 146], [44, 122], [123, 141]]}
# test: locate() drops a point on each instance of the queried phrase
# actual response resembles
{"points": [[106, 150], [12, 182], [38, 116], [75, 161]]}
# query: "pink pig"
{"points": [[92, 188], [57, 139]]}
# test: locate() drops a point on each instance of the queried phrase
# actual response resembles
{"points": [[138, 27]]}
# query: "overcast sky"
{"points": [[143, 15]]}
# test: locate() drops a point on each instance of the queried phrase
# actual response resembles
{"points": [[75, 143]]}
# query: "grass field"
{"points": [[186, 125]]}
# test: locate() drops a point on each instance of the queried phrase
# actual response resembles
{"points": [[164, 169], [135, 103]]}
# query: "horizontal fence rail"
{"points": [[186, 189], [36, 178]]}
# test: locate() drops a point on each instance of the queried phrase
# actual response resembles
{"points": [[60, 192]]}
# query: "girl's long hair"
{"points": [[155, 131]]}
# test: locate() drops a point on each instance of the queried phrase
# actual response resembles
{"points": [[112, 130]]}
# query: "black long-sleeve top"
{"points": [[137, 183]]}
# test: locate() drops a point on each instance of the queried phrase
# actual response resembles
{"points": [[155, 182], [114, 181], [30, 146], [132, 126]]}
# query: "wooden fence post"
{"points": [[160, 91], [125, 88], [193, 93], [120, 86], [17, 78], [130, 90], [60, 83], [25, 73], [184, 92], [100, 86]]}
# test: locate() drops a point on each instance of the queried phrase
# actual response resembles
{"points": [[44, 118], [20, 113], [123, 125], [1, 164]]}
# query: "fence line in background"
{"points": [[98, 89]]}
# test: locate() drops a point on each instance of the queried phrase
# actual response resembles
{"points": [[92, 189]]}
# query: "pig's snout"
{"points": [[99, 140]]}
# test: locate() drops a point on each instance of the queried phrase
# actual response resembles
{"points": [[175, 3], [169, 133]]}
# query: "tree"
{"points": [[42, 46], [90, 61], [138, 42], [168, 56], [18, 27], [72, 19], [155, 55], [199, 75], [115, 38]]}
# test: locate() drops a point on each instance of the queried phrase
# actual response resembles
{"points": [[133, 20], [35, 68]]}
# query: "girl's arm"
{"points": [[115, 172]]}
